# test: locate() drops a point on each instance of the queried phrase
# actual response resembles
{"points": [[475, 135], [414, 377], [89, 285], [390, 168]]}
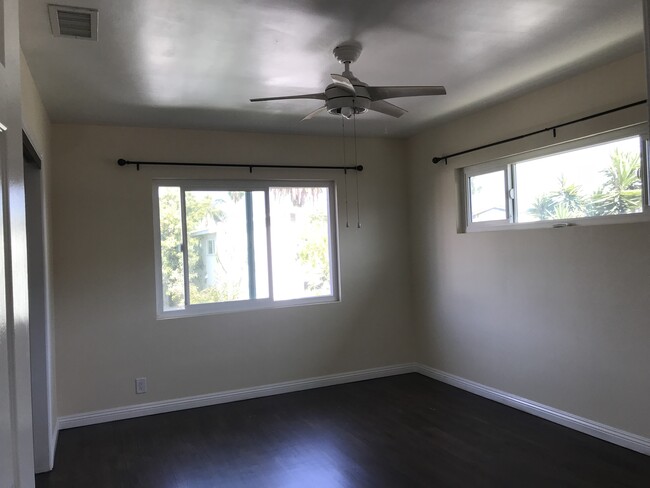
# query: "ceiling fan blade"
{"points": [[313, 96], [314, 113], [387, 108], [344, 83], [383, 92]]}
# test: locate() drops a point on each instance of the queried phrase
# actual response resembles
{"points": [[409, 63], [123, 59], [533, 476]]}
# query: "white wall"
{"points": [[104, 290], [558, 316], [36, 125]]}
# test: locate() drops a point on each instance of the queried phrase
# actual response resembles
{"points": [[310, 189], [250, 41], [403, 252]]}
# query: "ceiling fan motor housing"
{"points": [[342, 102]]}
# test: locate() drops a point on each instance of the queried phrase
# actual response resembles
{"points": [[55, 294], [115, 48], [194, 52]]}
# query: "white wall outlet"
{"points": [[140, 385]]}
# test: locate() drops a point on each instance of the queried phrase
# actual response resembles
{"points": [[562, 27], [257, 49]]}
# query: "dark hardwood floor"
{"points": [[399, 432]]}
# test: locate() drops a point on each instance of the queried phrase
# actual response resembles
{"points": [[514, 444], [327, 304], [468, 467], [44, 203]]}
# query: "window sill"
{"points": [[561, 224], [244, 306]]}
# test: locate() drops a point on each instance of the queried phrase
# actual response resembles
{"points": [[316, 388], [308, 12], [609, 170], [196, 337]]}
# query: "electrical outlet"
{"points": [[140, 385]]}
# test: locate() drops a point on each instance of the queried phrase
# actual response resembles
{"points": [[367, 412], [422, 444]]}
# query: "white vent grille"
{"points": [[75, 22]]}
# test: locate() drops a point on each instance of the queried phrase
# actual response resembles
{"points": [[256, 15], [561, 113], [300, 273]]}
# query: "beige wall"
{"points": [[36, 124], [107, 333], [558, 316]]}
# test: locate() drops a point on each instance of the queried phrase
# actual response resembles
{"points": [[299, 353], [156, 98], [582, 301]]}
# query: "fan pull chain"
{"points": [[345, 182], [347, 215], [356, 162]]}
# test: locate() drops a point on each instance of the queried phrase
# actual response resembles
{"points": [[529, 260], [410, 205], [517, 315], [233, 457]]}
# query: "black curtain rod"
{"points": [[124, 162], [554, 128]]}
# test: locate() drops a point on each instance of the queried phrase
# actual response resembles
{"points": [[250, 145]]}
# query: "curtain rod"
{"points": [[554, 128], [124, 162]]}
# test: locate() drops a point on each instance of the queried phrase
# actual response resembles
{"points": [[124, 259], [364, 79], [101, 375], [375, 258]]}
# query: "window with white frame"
{"points": [[228, 245], [599, 179]]}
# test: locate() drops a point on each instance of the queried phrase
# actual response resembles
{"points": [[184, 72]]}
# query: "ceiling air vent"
{"points": [[79, 23]]}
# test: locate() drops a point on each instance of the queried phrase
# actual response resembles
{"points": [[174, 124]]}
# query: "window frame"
{"points": [[191, 310], [474, 171], [508, 164]]}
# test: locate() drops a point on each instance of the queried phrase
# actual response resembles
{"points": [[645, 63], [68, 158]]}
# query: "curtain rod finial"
{"points": [[122, 162]]}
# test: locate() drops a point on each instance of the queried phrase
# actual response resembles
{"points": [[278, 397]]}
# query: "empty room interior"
{"points": [[325, 243]]}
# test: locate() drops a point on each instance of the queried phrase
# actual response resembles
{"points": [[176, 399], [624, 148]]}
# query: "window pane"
{"points": [[590, 182], [220, 217], [300, 242], [171, 254], [488, 197]]}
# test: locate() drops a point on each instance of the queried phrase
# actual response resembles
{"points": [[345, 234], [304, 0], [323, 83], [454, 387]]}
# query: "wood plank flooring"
{"points": [[398, 432]]}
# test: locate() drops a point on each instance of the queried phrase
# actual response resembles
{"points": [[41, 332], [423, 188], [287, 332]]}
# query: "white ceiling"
{"points": [[195, 63]]}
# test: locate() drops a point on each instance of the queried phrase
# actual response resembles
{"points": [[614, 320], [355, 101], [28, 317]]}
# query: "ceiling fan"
{"points": [[348, 96]]}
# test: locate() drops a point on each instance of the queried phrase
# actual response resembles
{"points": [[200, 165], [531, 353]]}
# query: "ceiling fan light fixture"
{"points": [[346, 105], [348, 112]]}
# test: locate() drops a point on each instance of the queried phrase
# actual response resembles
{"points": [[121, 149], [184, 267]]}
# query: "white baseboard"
{"points": [[132, 411], [595, 429], [590, 427]]}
